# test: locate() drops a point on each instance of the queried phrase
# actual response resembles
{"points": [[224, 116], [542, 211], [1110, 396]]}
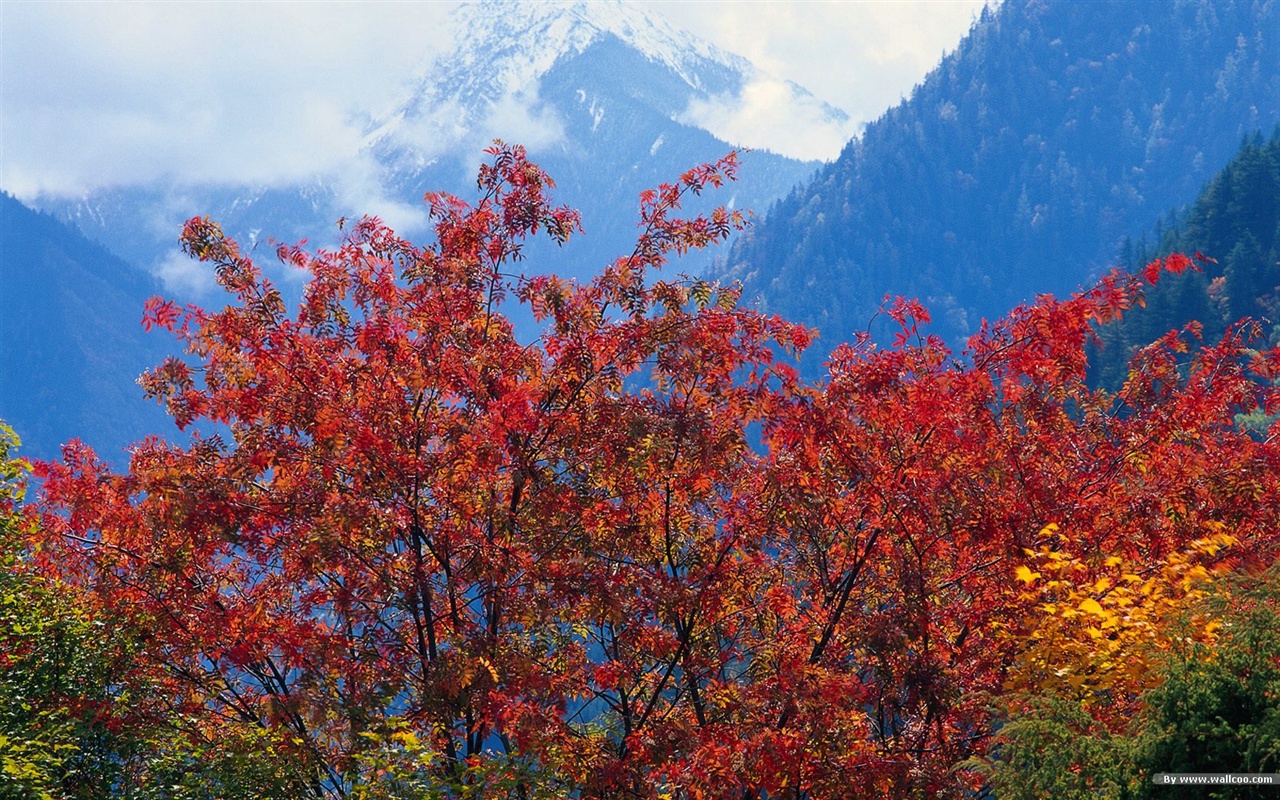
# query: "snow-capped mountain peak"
{"points": [[492, 80], [547, 31]]}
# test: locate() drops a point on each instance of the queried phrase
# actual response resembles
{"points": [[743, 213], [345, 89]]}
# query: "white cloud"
{"points": [[106, 93], [359, 190], [439, 127], [770, 114], [427, 133], [95, 93], [859, 55], [432, 130], [185, 277], [519, 117]]}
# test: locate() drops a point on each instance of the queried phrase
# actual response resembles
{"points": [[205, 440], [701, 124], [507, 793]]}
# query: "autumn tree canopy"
{"points": [[410, 554]]}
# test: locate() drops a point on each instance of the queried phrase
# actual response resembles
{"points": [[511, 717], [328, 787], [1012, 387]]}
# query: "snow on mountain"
{"points": [[536, 35], [611, 100], [504, 49]]}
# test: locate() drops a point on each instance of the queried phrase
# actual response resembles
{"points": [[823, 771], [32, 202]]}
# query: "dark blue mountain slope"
{"points": [[1056, 129], [71, 342]]}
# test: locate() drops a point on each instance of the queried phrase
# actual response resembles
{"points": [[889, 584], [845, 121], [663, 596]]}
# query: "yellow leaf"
{"points": [[1090, 606], [1025, 574]]}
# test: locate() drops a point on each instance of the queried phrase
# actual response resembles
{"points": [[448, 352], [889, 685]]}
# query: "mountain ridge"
{"points": [[71, 338], [1020, 163]]}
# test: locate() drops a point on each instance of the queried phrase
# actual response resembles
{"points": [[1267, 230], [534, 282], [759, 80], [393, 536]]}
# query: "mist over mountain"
{"points": [[608, 99], [1020, 164]]}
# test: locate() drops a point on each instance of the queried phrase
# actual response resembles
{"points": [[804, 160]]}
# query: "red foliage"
{"points": [[565, 555]]}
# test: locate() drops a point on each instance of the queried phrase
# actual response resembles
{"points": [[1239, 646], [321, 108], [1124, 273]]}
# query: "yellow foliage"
{"points": [[1099, 625]]}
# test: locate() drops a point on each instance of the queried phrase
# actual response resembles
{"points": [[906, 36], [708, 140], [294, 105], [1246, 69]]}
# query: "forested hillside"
{"points": [[1235, 224], [1021, 162], [71, 340]]}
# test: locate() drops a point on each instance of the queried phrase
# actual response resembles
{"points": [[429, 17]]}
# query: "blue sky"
{"points": [[100, 93]]}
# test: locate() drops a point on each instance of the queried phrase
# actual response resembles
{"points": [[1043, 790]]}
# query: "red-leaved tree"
{"points": [[636, 557]]}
